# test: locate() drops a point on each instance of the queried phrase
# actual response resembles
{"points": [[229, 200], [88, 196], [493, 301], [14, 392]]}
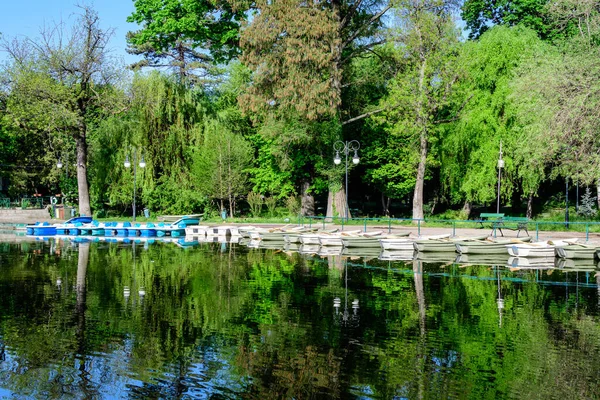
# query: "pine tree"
{"points": [[587, 206]]}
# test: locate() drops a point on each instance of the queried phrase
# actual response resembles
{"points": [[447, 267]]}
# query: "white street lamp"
{"points": [[500, 166], [127, 164], [346, 148]]}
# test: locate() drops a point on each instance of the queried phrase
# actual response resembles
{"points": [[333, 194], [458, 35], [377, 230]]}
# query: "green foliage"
{"points": [[255, 201], [292, 204], [271, 203], [188, 36], [470, 148], [220, 164], [480, 15]]}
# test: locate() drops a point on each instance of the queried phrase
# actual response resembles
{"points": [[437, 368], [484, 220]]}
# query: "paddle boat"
{"points": [[70, 227], [143, 230], [177, 228]]}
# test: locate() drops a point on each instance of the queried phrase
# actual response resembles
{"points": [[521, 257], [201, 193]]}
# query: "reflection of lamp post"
{"points": [[346, 147], [344, 317], [567, 201], [500, 300], [500, 166], [127, 164]]}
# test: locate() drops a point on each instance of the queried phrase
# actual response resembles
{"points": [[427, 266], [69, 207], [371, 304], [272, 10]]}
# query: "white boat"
{"points": [[397, 255], [447, 244], [197, 230], [577, 251], [532, 263], [397, 244], [537, 249], [335, 239], [488, 246]]}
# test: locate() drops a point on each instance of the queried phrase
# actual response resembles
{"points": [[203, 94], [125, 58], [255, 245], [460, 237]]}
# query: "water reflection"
{"points": [[170, 320]]}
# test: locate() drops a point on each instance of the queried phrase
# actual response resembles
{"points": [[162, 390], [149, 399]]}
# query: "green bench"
{"points": [[514, 224], [499, 222], [489, 217]]}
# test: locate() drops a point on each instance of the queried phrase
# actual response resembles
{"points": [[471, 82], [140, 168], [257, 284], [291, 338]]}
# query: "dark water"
{"points": [[81, 320]]}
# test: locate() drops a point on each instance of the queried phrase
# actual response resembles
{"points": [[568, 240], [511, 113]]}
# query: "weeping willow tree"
{"points": [[221, 165], [164, 124]]}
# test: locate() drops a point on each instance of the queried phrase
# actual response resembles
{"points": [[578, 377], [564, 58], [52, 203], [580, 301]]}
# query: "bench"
{"points": [[516, 224], [487, 217]]}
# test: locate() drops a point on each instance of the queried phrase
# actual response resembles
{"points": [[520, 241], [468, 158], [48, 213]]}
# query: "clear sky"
{"points": [[26, 17]]}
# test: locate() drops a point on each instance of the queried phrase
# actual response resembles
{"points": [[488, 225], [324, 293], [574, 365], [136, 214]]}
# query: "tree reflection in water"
{"points": [[124, 320]]}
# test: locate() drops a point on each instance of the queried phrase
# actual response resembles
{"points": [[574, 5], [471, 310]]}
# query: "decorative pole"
{"points": [[500, 166], [346, 147]]}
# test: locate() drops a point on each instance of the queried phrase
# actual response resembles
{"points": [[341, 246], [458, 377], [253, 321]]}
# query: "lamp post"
{"points": [[500, 166], [127, 164], [346, 147]]}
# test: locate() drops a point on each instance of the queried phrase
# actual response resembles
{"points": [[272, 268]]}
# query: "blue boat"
{"points": [[122, 229], [46, 229], [146, 230], [177, 228]]}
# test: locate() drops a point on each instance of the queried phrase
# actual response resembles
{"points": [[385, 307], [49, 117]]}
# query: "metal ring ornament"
{"points": [[53, 200], [346, 147]]}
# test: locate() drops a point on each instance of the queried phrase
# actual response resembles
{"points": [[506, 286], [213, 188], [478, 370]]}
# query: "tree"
{"points": [[417, 103], [62, 83], [298, 53], [480, 15], [220, 165], [470, 146], [188, 36]]}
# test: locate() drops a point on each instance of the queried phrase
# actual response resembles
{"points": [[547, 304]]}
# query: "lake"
{"points": [[219, 320]]}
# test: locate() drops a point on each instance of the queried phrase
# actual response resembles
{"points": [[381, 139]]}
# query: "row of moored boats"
{"points": [[403, 242]]}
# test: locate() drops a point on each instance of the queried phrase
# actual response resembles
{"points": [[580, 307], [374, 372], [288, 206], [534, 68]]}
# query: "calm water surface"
{"points": [[99, 320]]}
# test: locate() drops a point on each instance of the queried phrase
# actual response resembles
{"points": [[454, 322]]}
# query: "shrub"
{"points": [[255, 201]]}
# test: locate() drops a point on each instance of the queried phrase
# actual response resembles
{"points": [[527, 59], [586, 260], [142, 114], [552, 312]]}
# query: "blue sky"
{"points": [[26, 17]]}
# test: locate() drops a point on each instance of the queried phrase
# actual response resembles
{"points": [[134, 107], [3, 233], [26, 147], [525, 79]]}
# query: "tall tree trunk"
{"points": [[336, 207], [467, 209], [530, 205], [82, 182], [336, 204], [385, 204], [423, 139], [598, 192], [307, 201]]}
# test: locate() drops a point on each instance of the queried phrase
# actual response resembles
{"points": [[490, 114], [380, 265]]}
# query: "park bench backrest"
{"points": [[491, 215]]}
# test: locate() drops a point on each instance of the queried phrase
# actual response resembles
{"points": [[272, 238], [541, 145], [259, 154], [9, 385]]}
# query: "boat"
{"points": [[397, 255], [532, 263], [335, 239], [312, 237], [537, 249], [404, 243], [447, 257], [444, 245], [143, 230], [330, 251], [492, 259], [363, 252], [488, 246], [47, 229], [72, 226], [364, 240], [197, 230], [577, 251], [177, 228], [575, 264]]}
